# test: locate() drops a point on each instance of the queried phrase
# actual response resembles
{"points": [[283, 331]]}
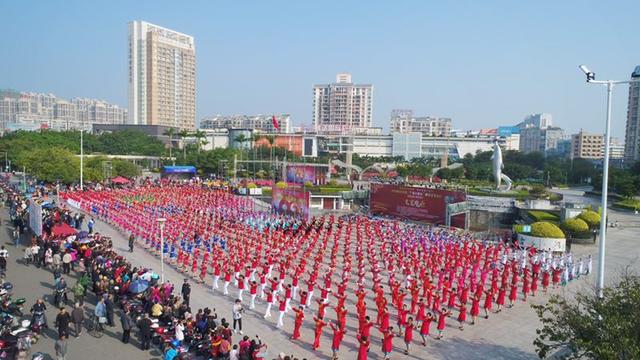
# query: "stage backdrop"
{"points": [[291, 201], [300, 174], [415, 203]]}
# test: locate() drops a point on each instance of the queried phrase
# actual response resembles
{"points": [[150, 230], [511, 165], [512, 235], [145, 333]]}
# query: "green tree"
{"points": [[590, 327], [125, 168], [52, 164], [184, 134]]}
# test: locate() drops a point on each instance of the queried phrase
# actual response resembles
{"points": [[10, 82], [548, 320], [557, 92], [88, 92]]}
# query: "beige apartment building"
{"points": [[587, 146], [162, 77]]}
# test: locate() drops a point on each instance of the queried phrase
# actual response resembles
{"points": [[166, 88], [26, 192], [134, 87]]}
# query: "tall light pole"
{"points": [[81, 156], [591, 78], [161, 222]]}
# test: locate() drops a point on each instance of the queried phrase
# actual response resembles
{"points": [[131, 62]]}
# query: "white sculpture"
{"points": [[497, 168]]}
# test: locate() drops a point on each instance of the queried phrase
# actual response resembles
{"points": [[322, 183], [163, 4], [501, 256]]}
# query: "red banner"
{"points": [[290, 201], [414, 203]]}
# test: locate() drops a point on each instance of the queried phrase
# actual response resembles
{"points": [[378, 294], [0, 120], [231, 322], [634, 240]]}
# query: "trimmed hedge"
{"points": [[575, 226], [592, 218], [281, 184], [546, 230], [538, 215]]}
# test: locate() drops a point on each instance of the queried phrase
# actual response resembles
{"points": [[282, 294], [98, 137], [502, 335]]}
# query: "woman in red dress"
{"points": [[545, 280], [426, 327], [526, 287], [534, 283], [363, 350], [462, 316], [488, 302], [408, 334], [501, 297], [442, 321], [513, 295], [475, 308]]}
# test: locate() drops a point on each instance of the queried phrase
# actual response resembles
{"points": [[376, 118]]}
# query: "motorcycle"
{"points": [[13, 307], [17, 340], [59, 296], [38, 322]]}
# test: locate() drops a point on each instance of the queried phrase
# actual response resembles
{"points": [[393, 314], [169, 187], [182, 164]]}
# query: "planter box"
{"points": [[549, 244]]}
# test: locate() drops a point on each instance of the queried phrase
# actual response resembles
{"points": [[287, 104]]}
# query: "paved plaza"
{"points": [[508, 335]]}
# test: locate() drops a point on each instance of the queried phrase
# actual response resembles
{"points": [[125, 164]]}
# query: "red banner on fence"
{"points": [[290, 201], [414, 203]]}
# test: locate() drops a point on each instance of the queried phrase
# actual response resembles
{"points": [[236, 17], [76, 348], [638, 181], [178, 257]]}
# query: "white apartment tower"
{"points": [[342, 106], [632, 133], [162, 77]]}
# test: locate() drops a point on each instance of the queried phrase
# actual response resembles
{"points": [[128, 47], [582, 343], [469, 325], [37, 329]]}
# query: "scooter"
{"points": [[58, 297], [13, 307]]}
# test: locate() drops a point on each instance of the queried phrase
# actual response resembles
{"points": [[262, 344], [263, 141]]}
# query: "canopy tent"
{"points": [[62, 230], [119, 180]]}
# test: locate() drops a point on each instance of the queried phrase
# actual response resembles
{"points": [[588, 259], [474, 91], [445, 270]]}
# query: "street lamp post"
{"points": [[591, 78], [81, 157], [161, 222]]}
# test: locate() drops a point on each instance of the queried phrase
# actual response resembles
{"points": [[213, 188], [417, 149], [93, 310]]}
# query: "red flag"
{"points": [[274, 121]]}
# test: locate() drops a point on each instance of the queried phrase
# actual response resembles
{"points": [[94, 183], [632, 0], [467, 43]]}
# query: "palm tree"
{"points": [[170, 133], [241, 139], [271, 139], [199, 135], [255, 137], [183, 135]]}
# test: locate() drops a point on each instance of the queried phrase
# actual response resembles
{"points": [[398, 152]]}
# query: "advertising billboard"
{"points": [[300, 174], [415, 203], [290, 201]]}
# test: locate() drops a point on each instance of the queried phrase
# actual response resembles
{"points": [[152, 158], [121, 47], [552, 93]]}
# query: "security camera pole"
{"points": [[591, 78], [161, 222]]}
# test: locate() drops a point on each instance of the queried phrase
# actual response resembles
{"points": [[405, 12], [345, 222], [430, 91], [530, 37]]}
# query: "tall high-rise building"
{"points": [[342, 106], [632, 133], [162, 76]]}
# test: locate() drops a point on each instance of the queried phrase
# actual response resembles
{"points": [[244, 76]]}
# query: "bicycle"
{"points": [[95, 328]]}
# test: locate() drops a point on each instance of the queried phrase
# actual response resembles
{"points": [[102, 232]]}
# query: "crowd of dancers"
{"points": [[365, 279]]}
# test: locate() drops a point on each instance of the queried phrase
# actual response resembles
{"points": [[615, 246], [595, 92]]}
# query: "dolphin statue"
{"points": [[498, 165]]}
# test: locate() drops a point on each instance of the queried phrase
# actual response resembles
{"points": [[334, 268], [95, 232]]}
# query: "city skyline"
{"points": [[492, 64]]}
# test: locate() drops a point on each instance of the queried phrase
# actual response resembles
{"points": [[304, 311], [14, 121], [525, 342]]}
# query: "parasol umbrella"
{"points": [[83, 234], [62, 230], [138, 286], [84, 241], [119, 180]]}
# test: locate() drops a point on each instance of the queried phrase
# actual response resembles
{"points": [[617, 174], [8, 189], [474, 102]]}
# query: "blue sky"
{"points": [[482, 63]]}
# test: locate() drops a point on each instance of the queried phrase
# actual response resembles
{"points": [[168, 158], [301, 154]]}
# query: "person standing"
{"points": [[237, 311], [109, 307], [127, 324], [4, 254], [90, 225], [61, 348], [186, 291], [132, 240], [100, 313], [77, 316], [78, 293], [145, 332], [62, 322]]}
